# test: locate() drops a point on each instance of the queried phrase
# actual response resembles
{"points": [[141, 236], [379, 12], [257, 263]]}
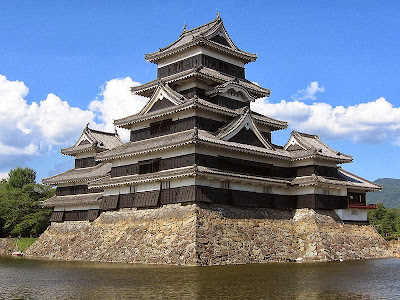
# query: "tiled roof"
{"points": [[189, 171], [349, 182], [312, 145], [203, 137], [148, 145], [98, 140], [200, 103], [166, 92], [82, 199], [79, 175], [140, 178], [232, 84], [357, 179], [226, 175], [244, 119], [201, 35], [203, 73]]}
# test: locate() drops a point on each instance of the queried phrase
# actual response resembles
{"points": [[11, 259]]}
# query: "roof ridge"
{"points": [[218, 18], [188, 32]]}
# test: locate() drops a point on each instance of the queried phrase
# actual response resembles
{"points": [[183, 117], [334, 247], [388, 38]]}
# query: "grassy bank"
{"points": [[25, 243]]}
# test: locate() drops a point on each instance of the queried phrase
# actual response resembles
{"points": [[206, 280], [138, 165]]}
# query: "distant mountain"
{"points": [[390, 195]]}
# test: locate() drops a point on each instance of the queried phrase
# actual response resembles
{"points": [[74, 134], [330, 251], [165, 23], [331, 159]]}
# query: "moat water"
{"points": [[22, 278]]}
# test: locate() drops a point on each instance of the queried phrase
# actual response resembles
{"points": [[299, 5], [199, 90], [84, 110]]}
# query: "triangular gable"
{"points": [[294, 144], [231, 86], [162, 97], [85, 138], [221, 36], [243, 130]]}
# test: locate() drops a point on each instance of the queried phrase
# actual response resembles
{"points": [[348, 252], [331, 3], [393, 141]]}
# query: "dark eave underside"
{"points": [[204, 73], [202, 104], [195, 136]]}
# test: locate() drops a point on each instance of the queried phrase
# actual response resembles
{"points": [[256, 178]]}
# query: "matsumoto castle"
{"points": [[197, 141]]}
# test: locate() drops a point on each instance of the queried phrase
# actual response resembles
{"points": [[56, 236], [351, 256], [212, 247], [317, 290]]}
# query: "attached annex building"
{"points": [[197, 140]]}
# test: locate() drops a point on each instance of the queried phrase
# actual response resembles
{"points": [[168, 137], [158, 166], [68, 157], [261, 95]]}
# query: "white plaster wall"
{"points": [[184, 181], [86, 154], [112, 190], [148, 186], [352, 214], [302, 190]]}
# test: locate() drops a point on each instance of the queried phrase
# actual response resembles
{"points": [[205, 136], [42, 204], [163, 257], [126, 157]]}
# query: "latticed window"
{"points": [[149, 167], [160, 127], [165, 185], [267, 190], [225, 185], [132, 189]]}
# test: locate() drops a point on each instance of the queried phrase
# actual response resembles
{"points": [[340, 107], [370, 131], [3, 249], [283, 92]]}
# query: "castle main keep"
{"points": [[198, 153]]}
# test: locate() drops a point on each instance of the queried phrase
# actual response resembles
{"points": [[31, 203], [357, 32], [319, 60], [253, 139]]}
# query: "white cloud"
{"points": [[6, 150], [371, 122], [29, 130], [3, 175], [116, 102], [309, 92]]}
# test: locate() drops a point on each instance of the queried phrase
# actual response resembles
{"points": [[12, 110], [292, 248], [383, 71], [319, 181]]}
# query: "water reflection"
{"points": [[39, 279]]}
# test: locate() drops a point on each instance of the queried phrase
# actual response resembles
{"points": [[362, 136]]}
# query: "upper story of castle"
{"points": [[205, 62]]}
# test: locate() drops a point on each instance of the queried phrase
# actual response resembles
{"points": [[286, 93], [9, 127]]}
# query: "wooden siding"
{"points": [[109, 202], [317, 201], [205, 194], [190, 93], [201, 60], [76, 215], [57, 216], [160, 104], [168, 126], [178, 195], [220, 40], [219, 162], [228, 102], [154, 165], [319, 171], [248, 137], [75, 190], [85, 162]]}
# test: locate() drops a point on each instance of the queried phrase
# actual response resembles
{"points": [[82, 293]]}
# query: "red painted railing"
{"points": [[364, 206]]}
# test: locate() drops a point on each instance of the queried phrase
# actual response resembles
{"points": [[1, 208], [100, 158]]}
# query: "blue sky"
{"points": [[333, 68]]}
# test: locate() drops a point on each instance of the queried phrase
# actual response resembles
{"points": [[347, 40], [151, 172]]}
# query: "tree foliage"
{"points": [[20, 212], [19, 177], [386, 221]]}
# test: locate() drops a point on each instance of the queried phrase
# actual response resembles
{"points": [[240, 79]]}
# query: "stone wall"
{"points": [[199, 234], [7, 246]]}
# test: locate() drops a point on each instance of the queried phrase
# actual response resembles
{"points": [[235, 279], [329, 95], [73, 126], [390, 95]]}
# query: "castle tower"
{"points": [[201, 182], [197, 140]]}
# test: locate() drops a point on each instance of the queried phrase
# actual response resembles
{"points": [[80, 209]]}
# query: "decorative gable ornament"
{"points": [[162, 97], [245, 121]]}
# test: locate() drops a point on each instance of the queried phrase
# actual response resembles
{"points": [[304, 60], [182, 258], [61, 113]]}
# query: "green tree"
{"points": [[386, 221], [19, 177], [20, 211]]}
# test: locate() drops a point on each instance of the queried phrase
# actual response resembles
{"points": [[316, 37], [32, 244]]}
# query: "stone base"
{"points": [[199, 234]]}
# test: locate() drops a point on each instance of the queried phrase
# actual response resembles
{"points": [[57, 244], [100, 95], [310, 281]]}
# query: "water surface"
{"points": [[42, 279]]}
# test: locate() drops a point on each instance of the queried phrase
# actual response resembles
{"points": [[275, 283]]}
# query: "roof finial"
{"points": [[218, 15], [184, 28], [87, 125]]}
